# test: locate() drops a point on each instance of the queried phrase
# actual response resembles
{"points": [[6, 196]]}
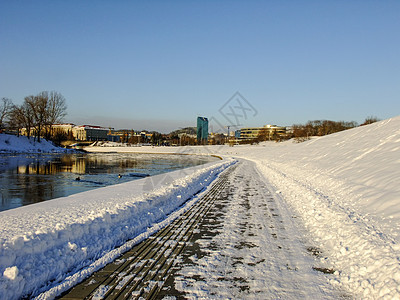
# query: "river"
{"points": [[26, 178]]}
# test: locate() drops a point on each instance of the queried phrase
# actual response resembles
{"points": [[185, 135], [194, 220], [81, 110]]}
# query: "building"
{"points": [[66, 127], [79, 133], [90, 133], [111, 137], [268, 132], [202, 130], [237, 134], [250, 133]]}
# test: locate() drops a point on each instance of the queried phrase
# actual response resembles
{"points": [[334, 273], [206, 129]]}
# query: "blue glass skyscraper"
{"points": [[202, 130]]}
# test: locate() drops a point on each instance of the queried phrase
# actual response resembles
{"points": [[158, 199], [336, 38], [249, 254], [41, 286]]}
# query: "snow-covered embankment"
{"points": [[344, 187], [42, 244], [22, 144]]}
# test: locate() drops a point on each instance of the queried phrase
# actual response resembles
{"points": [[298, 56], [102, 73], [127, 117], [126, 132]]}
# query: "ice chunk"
{"points": [[11, 273]]}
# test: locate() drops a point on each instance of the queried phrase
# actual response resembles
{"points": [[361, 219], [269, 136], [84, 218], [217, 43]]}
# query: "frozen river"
{"points": [[26, 179]]}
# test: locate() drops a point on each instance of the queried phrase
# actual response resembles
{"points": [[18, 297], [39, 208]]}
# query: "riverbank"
{"points": [[14, 144], [30, 178], [44, 243]]}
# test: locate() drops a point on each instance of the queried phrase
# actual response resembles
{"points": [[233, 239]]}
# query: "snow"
{"points": [[343, 190], [13, 144], [11, 273], [52, 240], [252, 249]]}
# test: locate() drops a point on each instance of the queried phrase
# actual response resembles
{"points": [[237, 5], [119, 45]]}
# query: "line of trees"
{"points": [[302, 132], [36, 114]]}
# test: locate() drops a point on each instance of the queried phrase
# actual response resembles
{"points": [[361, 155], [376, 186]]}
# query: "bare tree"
{"points": [[59, 135], [56, 109], [14, 121], [300, 133], [47, 109], [370, 120], [37, 113], [21, 116], [37, 105], [5, 109]]}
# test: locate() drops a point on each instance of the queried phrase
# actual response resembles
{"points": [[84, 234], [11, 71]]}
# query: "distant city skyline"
{"points": [[159, 65]]}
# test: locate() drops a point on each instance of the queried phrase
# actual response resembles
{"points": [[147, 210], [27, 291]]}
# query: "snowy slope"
{"points": [[21, 144], [360, 166], [47, 241], [345, 187]]}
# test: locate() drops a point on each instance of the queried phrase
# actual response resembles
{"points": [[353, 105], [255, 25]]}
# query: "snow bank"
{"points": [[13, 144], [345, 189], [359, 166], [42, 243]]}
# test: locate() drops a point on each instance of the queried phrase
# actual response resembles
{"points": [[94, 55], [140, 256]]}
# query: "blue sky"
{"points": [[159, 64]]}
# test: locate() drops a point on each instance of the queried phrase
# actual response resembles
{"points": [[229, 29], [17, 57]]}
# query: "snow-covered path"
{"points": [[250, 246]]}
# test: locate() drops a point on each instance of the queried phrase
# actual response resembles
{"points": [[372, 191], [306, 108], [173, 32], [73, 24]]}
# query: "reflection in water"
{"points": [[27, 179], [80, 164]]}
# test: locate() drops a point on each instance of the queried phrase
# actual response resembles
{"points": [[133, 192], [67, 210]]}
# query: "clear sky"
{"points": [[159, 64]]}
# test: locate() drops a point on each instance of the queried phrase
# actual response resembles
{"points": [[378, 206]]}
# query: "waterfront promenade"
{"points": [[238, 241]]}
